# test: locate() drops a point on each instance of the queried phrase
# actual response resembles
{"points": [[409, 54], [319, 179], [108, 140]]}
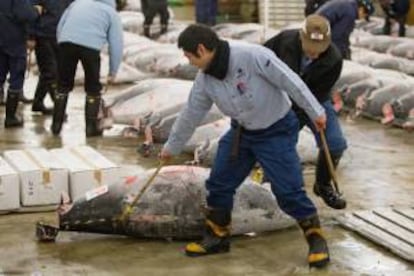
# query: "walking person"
{"points": [[85, 27], [206, 12], [309, 53], [150, 9], [14, 17], [42, 38], [251, 85], [341, 15], [396, 11]]}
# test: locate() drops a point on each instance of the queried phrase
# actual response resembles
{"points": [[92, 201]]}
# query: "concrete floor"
{"points": [[377, 171]]}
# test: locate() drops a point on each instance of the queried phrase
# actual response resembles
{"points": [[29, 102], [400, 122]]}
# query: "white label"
{"points": [[96, 192]]}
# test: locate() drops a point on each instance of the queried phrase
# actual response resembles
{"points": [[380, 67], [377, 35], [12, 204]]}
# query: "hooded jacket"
{"points": [[92, 24]]}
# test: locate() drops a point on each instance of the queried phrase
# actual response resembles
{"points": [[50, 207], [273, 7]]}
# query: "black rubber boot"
{"points": [[92, 107], [24, 99], [164, 29], [147, 32], [216, 238], [38, 105], [2, 100], [323, 186], [12, 120], [59, 113], [318, 255]]}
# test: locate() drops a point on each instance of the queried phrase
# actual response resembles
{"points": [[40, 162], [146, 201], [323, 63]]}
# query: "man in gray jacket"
{"points": [[84, 28], [252, 86]]}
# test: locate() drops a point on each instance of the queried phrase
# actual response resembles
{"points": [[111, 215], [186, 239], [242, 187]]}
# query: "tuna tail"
{"points": [[388, 114], [45, 232]]}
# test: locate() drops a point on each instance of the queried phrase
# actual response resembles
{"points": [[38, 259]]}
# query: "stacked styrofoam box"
{"points": [[9, 187], [88, 169], [42, 177]]}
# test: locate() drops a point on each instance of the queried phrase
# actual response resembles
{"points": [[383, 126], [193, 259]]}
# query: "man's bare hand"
{"points": [[39, 9], [320, 122], [110, 79], [165, 155], [30, 44]]}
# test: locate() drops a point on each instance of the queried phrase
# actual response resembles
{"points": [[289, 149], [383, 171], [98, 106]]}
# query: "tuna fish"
{"points": [[164, 100], [364, 86], [371, 105], [405, 50], [126, 73], [400, 111], [379, 43], [205, 152], [171, 208]]}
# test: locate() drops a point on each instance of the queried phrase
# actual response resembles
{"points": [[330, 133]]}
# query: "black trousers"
{"points": [[401, 25], [69, 56], [46, 52], [152, 9]]}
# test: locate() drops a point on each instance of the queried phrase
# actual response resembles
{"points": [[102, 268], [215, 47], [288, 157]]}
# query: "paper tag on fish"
{"points": [[96, 192]]}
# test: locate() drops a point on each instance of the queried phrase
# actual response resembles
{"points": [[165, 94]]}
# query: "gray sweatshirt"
{"points": [[255, 92]]}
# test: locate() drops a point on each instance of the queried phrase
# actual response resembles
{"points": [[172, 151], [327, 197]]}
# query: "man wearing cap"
{"points": [[310, 53], [342, 14], [252, 86]]}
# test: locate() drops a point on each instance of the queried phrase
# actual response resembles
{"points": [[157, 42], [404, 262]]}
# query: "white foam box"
{"points": [[42, 177], [9, 187], [88, 169]]}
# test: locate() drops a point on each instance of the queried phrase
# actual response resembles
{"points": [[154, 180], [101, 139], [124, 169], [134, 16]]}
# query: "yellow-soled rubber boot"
{"points": [[318, 248], [216, 238]]}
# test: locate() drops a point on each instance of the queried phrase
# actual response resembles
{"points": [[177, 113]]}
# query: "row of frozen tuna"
{"points": [[380, 94], [150, 108]]}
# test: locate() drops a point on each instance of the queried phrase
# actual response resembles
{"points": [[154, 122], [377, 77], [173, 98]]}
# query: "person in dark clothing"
{"points": [[83, 30], [342, 14], [150, 8], [252, 86], [312, 5], [395, 11], [206, 12], [14, 17], [310, 53], [42, 38]]}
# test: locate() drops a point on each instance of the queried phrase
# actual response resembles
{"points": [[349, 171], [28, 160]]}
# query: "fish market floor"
{"points": [[376, 171]]}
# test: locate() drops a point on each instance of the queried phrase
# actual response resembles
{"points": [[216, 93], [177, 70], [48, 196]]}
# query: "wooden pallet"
{"points": [[391, 228]]}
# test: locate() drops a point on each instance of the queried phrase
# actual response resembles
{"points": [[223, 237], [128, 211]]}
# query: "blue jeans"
{"points": [[275, 149], [333, 132], [16, 66]]}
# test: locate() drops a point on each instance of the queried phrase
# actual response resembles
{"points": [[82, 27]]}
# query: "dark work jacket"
{"points": [[14, 17], [320, 75], [46, 25], [341, 14]]}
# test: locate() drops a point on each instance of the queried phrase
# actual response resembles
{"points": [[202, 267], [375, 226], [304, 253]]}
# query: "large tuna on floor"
{"points": [[172, 207], [400, 111]]}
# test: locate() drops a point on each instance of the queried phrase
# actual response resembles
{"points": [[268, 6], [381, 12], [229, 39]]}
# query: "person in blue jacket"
{"points": [[395, 11], [342, 14], [251, 85], [312, 6], [84, 28], [206, 12], [14, 17], [42, 38]]}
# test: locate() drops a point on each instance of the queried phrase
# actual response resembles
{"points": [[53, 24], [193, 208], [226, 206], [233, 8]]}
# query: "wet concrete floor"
{"points": [[377, 171]]}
